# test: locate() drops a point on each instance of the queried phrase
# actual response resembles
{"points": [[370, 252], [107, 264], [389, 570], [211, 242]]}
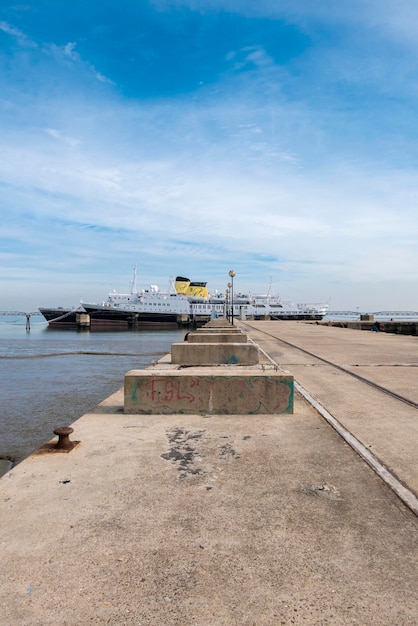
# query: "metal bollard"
{"points": [[64, 442]]}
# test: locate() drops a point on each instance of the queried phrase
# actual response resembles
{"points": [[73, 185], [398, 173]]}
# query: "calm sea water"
{"points": [[50, 377]]}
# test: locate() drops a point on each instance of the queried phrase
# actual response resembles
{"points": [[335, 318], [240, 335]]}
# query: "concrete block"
{"points": [[214, 353], [223, 329], [225, 337], [218, 323], [208, 391]]}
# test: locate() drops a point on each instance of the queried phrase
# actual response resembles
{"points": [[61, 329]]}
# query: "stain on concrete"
{"points": [[322, 490], [182, 452], [228, 451]]}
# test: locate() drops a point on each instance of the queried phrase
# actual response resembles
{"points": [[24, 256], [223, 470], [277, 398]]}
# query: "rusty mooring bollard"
{"points": [[64, 442]]}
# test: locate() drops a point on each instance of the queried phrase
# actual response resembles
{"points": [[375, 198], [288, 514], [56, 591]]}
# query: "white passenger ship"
{"points": [[186, 303]]}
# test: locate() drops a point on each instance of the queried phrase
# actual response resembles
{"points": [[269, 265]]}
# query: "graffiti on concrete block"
{"points": [[211, 395], [169, 390]]}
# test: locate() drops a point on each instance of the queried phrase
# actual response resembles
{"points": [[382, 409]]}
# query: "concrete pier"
{"points": [[225, 520]]}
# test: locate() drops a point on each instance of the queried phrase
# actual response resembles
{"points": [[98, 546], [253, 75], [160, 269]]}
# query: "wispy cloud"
{"points": [[71, 141], [21, 39], [68, 53]]}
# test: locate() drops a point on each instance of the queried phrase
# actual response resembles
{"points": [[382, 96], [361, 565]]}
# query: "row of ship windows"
{"points": [[198, 306], [217, 307]]}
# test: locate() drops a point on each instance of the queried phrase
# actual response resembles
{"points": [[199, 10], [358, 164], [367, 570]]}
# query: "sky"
{"points": [[277, 138]]}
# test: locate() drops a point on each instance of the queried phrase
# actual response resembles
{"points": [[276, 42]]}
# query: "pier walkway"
{"points": [[227, 520], [368, 381]]}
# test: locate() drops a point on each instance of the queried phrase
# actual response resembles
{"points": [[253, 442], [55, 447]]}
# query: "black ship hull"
{"points": [[60, 316], [110, 316]]}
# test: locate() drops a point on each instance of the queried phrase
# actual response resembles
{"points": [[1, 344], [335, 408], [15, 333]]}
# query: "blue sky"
{"points": [[278, 138]]}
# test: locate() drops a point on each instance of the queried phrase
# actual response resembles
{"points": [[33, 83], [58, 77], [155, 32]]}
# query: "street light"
{"points": [[232, 274], [228, 300]]}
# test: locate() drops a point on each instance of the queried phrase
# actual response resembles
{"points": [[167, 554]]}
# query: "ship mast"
{"points": [[269, 288], [133, 287]]}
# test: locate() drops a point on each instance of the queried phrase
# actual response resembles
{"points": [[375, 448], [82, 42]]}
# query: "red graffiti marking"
{"points": [[169, 390]]}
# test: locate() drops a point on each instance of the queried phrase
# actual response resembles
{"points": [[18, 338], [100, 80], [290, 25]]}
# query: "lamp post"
{"points": [[227, 303], [232, 274]]}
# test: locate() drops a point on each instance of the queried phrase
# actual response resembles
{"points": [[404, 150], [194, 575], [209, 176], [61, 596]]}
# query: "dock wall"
{"points": [[397, 328]]}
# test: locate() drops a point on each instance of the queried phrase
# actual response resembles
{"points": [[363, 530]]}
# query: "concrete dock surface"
{"points": [[226, 520], [387, 427]]}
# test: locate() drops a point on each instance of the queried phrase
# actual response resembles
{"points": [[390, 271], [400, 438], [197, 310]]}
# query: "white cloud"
{"points": [[336, 222], [20, 37], [68, 54], [69, 51], [396, 20], [104, 79], [56, 134]]}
